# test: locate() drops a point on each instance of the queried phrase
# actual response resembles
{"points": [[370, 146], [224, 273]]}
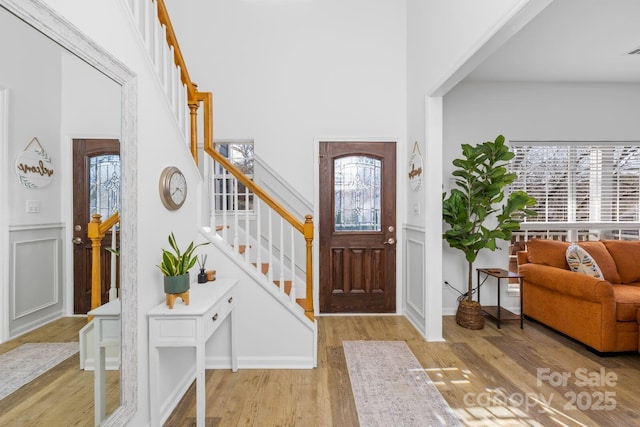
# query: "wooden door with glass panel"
{"points": [[357, 227], [96, 189]]}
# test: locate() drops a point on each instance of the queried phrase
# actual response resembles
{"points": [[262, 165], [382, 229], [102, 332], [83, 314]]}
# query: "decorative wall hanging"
{"points": [[33, 166], [415, 168]]}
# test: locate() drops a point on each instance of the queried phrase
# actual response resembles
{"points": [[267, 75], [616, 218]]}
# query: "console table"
{"points": [[190, 326], [498, 312]]}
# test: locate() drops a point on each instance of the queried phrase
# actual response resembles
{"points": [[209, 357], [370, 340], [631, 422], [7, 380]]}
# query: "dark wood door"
{"points": [[357, 227], [96, 189]]}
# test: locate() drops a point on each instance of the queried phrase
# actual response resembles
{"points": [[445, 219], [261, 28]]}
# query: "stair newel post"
{"points": [[193, 116], [308, 236], [281, 255], [93, 233]]}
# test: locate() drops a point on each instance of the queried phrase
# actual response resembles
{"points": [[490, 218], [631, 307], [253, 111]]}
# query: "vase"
{"points": [[176, 284], [202, 277]]}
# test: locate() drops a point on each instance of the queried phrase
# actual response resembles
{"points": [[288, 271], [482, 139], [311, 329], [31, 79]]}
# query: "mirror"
{"points": [[41, 117]]}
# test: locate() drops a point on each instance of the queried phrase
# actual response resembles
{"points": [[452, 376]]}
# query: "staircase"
{"points": [[258, 241]]}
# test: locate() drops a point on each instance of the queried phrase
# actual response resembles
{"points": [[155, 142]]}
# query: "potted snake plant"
{"points": [[478, 214], [176, 264]]}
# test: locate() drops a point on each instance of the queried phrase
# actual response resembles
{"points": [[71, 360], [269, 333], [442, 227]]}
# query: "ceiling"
{"points": [[571, 41]]}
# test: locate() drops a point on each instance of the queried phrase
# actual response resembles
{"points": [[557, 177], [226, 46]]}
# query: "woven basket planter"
{"points": [[469, 315]]}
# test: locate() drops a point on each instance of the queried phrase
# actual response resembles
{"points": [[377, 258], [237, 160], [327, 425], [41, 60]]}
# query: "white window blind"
{"points": [[579, 182]]}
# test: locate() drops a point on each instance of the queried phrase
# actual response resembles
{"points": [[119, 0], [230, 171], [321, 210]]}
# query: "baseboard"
{"points": [[31, 326], [224, 362], [110, 364]]}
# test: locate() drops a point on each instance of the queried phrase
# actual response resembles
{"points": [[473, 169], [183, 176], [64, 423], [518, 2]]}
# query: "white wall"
{"points": [[441, 36], [285, 72], [479, 111], [31, 71]]}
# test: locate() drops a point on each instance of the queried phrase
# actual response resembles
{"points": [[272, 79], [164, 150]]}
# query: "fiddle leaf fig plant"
{"points": [[476, 210]]}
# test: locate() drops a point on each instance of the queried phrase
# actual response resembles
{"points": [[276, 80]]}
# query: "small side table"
{"points": [[498, 312]]}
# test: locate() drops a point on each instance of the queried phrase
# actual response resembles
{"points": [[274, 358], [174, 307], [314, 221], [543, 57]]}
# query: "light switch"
{"points": [[416, 208], [33, 206]]}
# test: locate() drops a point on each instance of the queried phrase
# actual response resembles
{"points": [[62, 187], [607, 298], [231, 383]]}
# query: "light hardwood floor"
{"points": [[62, 396], [468, 368]]}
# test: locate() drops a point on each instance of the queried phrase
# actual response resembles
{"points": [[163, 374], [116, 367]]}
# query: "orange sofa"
{"points": [[602, 313]]}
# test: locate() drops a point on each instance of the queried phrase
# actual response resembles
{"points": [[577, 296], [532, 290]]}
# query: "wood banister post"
{"points": [[93, 232], [193, 113], [308, 237]]}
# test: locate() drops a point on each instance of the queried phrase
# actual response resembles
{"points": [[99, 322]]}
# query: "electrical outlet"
{"points": [[33, 206]]}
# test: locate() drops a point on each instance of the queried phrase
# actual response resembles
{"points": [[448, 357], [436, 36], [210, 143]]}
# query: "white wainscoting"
{"points": [[415, 276], [35, 276]]}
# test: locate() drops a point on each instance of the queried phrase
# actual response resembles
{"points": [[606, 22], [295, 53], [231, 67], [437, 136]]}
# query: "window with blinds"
{"points": [[579, 182]]}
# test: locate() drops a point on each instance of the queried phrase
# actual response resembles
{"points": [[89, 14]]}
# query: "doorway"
{"points": [[357, 209], [96, 189]]}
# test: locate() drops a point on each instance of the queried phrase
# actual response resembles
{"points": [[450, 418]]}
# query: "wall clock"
{"points": [[173, 188]]}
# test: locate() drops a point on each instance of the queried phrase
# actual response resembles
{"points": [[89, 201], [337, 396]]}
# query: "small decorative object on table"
{"points": [[175, 266], [211, 275], [202, 277]]}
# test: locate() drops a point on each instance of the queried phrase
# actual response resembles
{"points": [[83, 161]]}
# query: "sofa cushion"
{"points": [[580, 261], [627, 302], [626, 255], [604, 260], [548, 252]]}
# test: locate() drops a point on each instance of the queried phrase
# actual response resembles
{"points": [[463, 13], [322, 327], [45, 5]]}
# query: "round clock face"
{"points": [[173, 188]]}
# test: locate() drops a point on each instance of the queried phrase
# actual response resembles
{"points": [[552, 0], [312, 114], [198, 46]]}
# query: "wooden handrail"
{"points": [[96, 231], [163, 16]]}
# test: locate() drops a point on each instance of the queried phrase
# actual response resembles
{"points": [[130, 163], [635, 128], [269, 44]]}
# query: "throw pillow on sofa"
{"points": [[580, 261]]}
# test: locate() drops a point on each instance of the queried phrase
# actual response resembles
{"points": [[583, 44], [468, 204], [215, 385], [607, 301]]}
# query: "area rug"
{"points": [[22, 364], [390, 387]]}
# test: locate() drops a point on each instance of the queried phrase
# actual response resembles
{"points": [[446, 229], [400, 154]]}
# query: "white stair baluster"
{"points": [[281, 255], [212, 193], [292, 295], [270, 243], [225, 205], [256, 204], [236, 234], [147, 34], [113, 291], [246, 222]]}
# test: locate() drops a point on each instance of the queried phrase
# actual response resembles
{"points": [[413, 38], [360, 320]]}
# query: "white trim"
{"points": [[434, 124], [56, 276], [400, 214], [4, 229], [519, 16]]}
